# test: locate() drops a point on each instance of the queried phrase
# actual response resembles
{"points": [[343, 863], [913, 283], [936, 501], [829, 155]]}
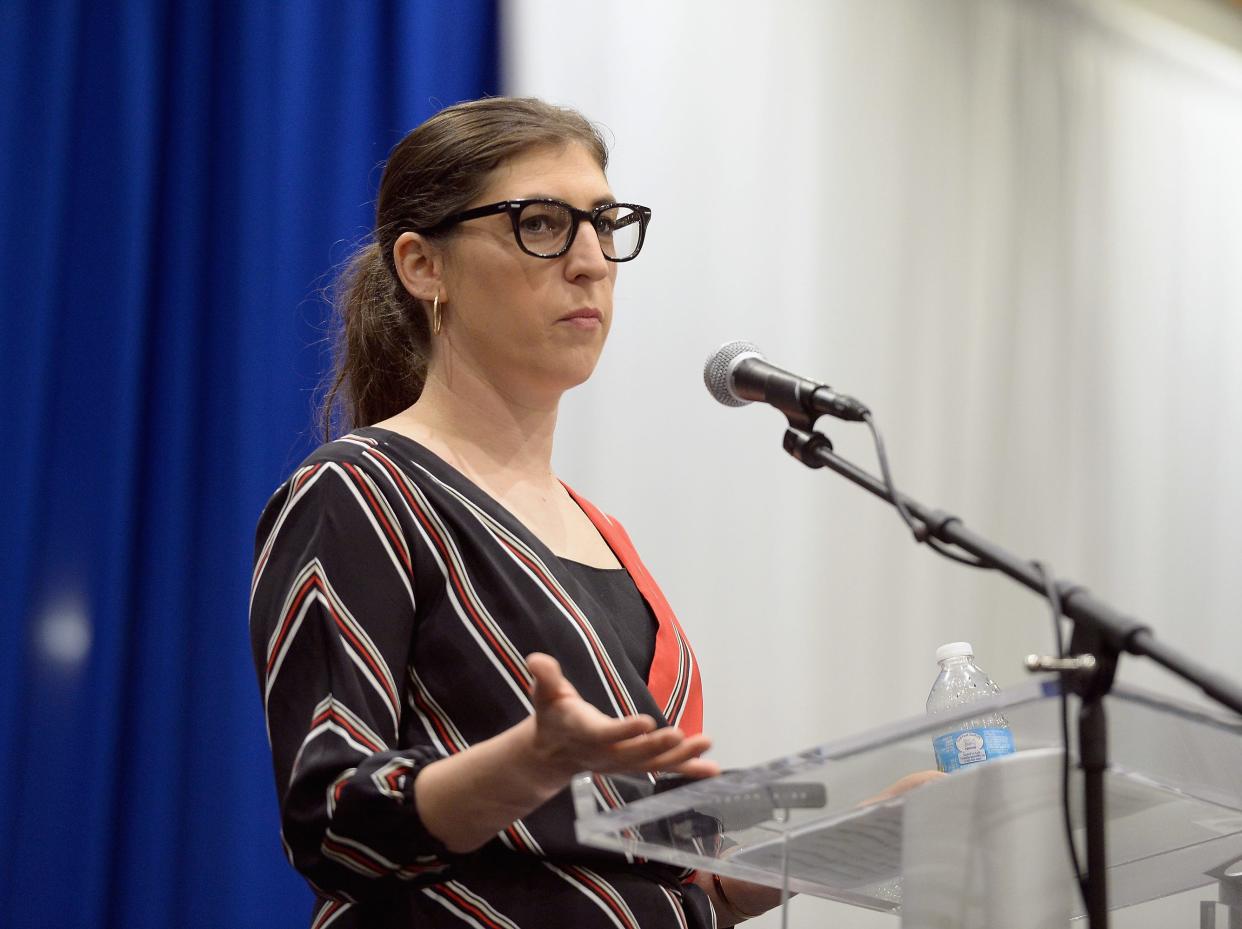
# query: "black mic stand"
{"points": [[1099, 630]]}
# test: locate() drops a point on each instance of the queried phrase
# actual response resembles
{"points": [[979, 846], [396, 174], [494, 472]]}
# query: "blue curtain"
{"points": [[176, 180]]}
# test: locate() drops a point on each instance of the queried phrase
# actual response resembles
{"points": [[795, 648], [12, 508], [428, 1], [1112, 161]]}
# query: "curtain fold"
{"points": [[178, 181]]}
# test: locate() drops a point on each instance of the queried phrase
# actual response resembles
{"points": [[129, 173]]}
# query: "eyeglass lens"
{"points": [[546, 227]]}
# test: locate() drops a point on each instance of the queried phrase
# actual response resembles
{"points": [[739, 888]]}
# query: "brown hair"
{"points": [[383, 337]]}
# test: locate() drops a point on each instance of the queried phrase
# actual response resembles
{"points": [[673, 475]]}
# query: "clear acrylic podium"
{"points": [[953, 851]]}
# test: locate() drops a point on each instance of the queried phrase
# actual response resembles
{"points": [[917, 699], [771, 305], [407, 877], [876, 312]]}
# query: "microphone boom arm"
{"points": [[1117, 631]]}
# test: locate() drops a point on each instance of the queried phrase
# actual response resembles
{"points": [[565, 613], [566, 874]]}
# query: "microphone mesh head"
{"points": [[718, 371]]}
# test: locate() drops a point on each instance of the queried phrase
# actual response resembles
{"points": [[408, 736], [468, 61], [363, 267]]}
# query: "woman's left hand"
{"points": [[905, 784], [743, 900]]}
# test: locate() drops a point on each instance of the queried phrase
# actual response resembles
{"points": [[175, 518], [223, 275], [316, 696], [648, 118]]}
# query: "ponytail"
{"points": [[382, 346]]}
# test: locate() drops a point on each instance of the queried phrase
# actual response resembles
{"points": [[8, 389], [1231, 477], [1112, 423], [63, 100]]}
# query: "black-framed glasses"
{"points": [[546, 228]]}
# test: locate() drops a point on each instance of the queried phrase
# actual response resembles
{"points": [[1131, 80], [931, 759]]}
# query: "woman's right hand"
{"points": [[571, 735], [466, 798]]}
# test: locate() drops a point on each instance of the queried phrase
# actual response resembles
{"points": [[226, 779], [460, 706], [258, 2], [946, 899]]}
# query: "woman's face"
{"points": [[532, 327]]}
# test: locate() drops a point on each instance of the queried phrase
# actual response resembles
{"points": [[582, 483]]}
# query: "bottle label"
{"points": [[970, 746]]}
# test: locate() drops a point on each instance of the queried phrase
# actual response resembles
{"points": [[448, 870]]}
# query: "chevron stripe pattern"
{"points": [[391, 606]]}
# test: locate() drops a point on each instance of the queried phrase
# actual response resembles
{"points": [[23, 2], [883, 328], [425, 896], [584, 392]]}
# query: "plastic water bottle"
{"points": [[960, 683]]}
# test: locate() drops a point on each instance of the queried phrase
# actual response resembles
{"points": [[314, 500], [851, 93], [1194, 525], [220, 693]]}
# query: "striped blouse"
{"points": [[391, 607]]}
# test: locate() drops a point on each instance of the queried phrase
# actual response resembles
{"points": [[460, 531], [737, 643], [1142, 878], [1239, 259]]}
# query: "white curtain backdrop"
{"points": [[1014, 229]]}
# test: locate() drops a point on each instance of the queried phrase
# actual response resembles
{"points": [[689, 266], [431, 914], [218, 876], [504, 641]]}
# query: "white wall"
{"points": [[1012, 227]]}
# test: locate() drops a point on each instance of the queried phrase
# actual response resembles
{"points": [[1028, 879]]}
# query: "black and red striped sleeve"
{"points": [[332, 618]]}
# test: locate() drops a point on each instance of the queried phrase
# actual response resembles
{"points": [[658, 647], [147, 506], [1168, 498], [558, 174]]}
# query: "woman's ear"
{"points": [[419, 263]]}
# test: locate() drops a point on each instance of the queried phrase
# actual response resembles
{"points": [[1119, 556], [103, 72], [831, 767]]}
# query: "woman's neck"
{"points": [[482, 429]]}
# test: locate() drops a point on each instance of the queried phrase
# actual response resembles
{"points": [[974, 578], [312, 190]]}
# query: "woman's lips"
{"points": [[585, 318]]}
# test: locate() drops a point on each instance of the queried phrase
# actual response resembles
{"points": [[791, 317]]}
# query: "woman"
{"points": [[444, 632]]}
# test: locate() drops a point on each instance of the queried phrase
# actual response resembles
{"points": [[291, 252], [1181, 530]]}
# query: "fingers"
{"points": [[917, 779], [686, 755], [665, 749], [697, 768], [905, 784], [610, 729]]}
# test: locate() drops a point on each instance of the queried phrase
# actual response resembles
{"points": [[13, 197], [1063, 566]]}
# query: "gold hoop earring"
{"points": [[437, 321]]}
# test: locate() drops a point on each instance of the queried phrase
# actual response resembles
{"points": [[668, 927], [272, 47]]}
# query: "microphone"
{"points": [[737, 373]]}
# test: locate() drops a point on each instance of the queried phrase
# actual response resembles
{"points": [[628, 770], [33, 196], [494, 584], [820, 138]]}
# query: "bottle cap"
{"points": [[954, 650]]}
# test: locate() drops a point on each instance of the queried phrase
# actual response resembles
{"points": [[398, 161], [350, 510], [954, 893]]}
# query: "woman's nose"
{"points": [[586, 254]]}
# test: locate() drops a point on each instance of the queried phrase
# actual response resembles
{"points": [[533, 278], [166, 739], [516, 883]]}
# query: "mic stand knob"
{"points": [[804, 446]]}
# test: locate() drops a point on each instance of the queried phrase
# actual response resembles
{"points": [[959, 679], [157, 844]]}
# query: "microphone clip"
{"points": [[804, 443]]}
